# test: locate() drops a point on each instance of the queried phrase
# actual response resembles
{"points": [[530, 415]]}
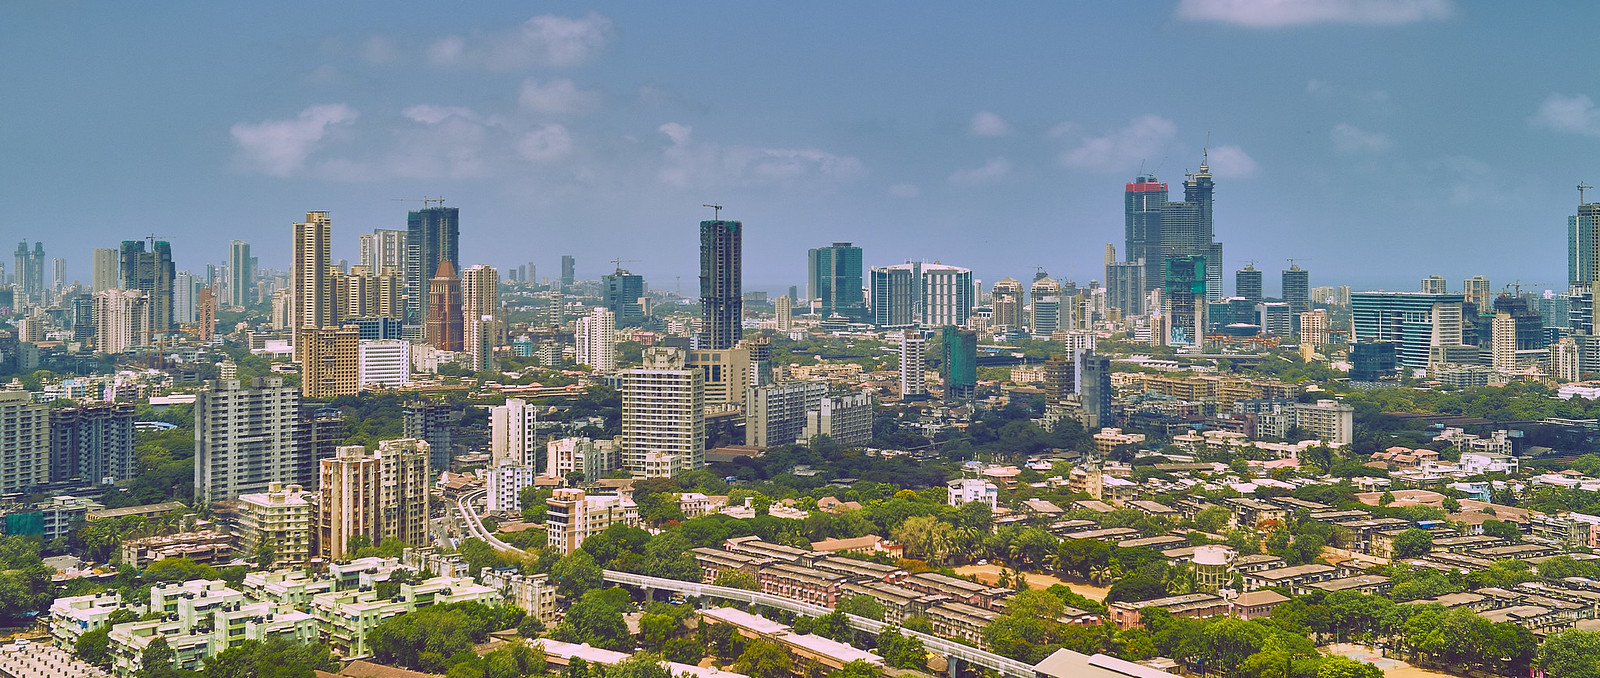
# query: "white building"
{"points": [[1330, 421], [279, 520], [1474, 463], [593, 458], [384, 363], [574, 516], [596, 340], [513, 433], [965, 490], [121, 320], [505, 482], [913, 364]]}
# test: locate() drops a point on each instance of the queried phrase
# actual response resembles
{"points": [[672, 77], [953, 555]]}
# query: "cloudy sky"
{"points": [[1380, 140]]}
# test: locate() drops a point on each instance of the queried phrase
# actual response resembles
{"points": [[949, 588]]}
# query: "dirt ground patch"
{"points": [[1392, 668], [990, 574]]}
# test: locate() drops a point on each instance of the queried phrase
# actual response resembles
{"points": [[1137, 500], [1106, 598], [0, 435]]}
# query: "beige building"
{"points": [[330, 362], [312, 285], [726, 373], [574, 516], [279, 519], [663, 414], [121, 320], [380, 495], [480, 309], [25, 444]]}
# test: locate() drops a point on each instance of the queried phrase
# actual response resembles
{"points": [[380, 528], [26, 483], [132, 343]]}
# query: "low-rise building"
{"points": [[801, 583], [1125, 615], [1296, 579], [346, 618], [275, 522], [202, 546], [72, 616], [534, 594], [1255, 604], [963, 490], [959, 590], [961, 621]]}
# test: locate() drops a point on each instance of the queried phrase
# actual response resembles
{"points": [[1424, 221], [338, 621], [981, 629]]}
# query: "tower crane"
{"points": [[716, 210], [1293, 260], [620, 262], [1581, 187], [425, 200], [1518, 284]]}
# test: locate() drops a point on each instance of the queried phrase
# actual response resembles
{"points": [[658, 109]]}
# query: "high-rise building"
{"points": [[330, 363], [1183, 298], [432, 422], [91, 443], [721, 283], [1372, 361], [30, 270], [1296, 293], [1435, 284], [948, 295], [505, 483], [205, 315], [514, 433], [595, 336], [960, 368], [1414, 321], [896, 294], [1005, 298], [1157, 229], [913, 364], [241, 274], [775, 414], [445, 329], [122, 321], [104, 275], [1564, 361], [1504, 341], [624, 297], [782, 313], [573, 516], [726, 373], [1247, 283], [58, 273], [313, 288], [433, 237], [1476, 290], [482, 317], [930, 295], [569, 271], [25, 447], [381, 495], [152, 273], [1082, 379], [846, 419], [277, 521], [663, 415], [1583, 245], [248, 436], [184, 289], [1125, 286], [82, 317], [383, 363], [1314, 327], [384, 250], [833, 281]]}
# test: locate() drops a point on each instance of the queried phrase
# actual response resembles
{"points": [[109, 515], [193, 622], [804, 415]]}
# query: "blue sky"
{"points": [[1379, 140]]}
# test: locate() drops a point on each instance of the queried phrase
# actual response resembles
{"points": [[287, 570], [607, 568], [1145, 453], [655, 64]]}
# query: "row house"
{"points": [[861, 569], [963, 622], [1296, 579], [960, 590], [1125, 614], [713, 562], [1370, 584], [756, 547], [1253, 512], [899, 603], [801, 583]]}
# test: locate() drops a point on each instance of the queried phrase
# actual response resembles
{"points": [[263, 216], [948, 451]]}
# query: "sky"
{"points": [[1374, 141]]}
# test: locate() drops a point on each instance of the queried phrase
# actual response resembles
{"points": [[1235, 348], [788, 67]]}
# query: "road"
{"points": [[947, 648]]}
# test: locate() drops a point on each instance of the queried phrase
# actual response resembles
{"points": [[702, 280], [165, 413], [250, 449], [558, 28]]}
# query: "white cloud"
{"points": [[544, 40], [557, 96], [1231, 162], [433, 115], [379, 50], [1144, 138], [994, 170], [693, 164], [905, 191], [551, 142], [1564, 113], [1283, 13], [1061, 129], [986, 124], [1351, 140], [280, 147]]}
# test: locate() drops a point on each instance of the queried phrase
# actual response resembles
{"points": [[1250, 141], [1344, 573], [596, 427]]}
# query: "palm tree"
{"points": [[1104, 574]]}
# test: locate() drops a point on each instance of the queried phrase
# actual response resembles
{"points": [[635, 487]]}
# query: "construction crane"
{"points": [[424, 200], [620, 262], [1518, 284], [1581, 187], [716, 210], [1249, 264], [1292, 264]]}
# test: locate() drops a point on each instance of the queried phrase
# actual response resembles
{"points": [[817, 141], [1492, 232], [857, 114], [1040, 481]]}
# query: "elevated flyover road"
{"points": [[947, 648], [474, 525]]}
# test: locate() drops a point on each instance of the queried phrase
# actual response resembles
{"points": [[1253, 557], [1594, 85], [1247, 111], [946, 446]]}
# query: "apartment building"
{"points": [[380, 495], [574, 516], [278, 522]]}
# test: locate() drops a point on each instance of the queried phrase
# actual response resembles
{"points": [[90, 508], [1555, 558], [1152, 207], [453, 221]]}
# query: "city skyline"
{"points": [[929, 146]]}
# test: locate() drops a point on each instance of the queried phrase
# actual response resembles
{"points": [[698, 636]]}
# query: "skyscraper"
{"points": [[1157, 229], [1297, 293], [663, 415], [1476, 290], [1415, 322], [58, 273], [833, 280], [1247, 284], [931, 295], [913, 364], [30, 270], [480, 298], [1583, 245], [1435, 284], [1184, 301], [315, 304], [896, 294], [1005, 298], [104, 275], [624, 297], [432, 237], [782, 313], [122, 321], [445, 328], [569, 270], [152, 273], [241, 274], [384, 249], [205, 315], [596, 340], [331, 364], [721, 283], [960, 368], [246, 436]]}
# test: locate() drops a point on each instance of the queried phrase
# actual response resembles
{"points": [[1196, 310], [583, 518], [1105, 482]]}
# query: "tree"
{"points": [[763, 659], [924, 537], [737, 579], [1212, 519], [156, 660], [576, 573], [596, 619], [858, 669], [1571, 654], [1136, 587], [642, 665], [901, 651], [1413, 543], [178, 569], [655, 630], [273, 658], [1502, 529], [1336, 666], [861, 605]]}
